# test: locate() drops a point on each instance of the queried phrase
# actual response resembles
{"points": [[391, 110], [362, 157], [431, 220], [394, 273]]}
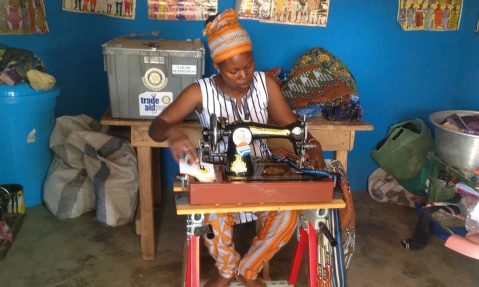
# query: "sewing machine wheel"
{"points": [[213, 133]]}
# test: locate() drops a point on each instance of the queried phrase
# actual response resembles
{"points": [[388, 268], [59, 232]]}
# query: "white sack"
{"points": [[108, 166], [112, 167], [68, 192]]}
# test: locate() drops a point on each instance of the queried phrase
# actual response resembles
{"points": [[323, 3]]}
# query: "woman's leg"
{"points": [[276, 229], [221, 247]]}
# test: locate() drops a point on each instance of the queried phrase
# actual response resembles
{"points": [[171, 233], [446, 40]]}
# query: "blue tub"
{"points": [[27, 117]]}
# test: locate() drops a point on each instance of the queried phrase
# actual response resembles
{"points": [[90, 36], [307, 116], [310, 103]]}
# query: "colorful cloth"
{"points": [[276, 228], [320, 84], [347, 215], [226, 37]]}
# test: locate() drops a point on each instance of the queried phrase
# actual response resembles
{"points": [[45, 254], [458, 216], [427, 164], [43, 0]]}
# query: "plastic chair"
{"points": [[467, 245]]}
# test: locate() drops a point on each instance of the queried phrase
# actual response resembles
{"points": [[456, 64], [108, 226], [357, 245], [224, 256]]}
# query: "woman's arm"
{"points": [[165, 126], [282, 115], [279, 112]]}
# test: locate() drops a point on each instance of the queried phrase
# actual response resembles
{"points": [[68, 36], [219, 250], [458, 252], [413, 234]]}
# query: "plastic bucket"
{"points": [[27, 117]]}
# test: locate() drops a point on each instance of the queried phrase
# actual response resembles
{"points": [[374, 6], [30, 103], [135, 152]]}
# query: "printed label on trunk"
{"points": [[153, 103], [183, 69]]}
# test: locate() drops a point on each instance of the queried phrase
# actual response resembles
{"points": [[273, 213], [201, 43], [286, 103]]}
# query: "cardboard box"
{"points": [[145, 76]]}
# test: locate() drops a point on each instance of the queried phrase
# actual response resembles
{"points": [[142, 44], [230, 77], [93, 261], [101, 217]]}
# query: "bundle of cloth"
{"points": [[319, 84], [19, 65], [467, 124]]}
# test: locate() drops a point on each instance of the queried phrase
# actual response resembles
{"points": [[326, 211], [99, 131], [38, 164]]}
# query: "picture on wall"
{"points": [[114, 8], [429, 15], [181, 9], [293, 12], [22, 17]]}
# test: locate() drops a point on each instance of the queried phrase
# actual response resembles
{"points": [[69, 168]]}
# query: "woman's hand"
{"points": [[315, 155], [181, 147]]}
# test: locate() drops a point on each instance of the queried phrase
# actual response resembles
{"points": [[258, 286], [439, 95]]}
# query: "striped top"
{"points": [[254, 108]]}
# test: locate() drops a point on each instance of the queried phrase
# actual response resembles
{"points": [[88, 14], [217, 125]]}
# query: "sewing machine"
{"points": [[237, 159], [246, 184], [240, 179]]}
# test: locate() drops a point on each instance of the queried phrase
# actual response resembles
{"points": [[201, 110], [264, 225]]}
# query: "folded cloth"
{"points": [[204, 172], [40, 80]]}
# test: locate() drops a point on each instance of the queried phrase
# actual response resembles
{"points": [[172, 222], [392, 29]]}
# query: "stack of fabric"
{"points": [[319, 84], [18, 66]]}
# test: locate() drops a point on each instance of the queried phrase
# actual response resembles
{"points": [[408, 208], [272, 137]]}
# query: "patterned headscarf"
{"points": [[226, 37]]}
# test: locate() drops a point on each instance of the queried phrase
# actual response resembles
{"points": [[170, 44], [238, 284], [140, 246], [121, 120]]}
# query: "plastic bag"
{"points": [[441, 184], [419, 183], [470, 199], [472, 212], [403, 153]]}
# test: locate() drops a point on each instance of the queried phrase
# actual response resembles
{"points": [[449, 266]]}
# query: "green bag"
{"points": [[442, 184], [419, 183], [403, 153]]}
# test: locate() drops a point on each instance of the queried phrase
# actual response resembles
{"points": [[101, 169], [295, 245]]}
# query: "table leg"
{"points": [[313, 256], [147, 234], [193, 264], [298, 256], [342, 156]]}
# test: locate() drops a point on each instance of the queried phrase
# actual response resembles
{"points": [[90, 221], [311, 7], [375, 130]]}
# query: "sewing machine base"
{"points": [[271, 183]]}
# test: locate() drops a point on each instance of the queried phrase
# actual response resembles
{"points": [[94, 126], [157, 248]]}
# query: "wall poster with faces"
{"points": [[293, 12], [115, 8], [182, 9], [430, 15]]}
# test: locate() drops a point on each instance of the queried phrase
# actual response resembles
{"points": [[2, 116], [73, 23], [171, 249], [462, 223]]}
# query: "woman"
{"points": [[238, 93]]}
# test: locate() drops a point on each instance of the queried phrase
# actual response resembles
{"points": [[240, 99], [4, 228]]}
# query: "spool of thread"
{"points": [[17, 199]]}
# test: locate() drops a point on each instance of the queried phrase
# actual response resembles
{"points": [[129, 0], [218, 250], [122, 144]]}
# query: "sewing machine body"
{"points": [[237, 159]]}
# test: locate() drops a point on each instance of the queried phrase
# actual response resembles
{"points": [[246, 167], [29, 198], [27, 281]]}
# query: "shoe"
{"points": [[218, 281], [250, 283]]}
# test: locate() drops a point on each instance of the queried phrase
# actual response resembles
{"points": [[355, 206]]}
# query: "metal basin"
{"points": [[456, 148]]}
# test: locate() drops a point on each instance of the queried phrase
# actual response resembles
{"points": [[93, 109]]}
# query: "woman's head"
{"points": [[237, 72], [226, 37]]}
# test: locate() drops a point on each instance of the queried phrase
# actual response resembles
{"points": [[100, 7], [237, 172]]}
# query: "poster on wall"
{"points": [[293, 12], [182, 9], [22, 17], [115, 8], [429, 15]]}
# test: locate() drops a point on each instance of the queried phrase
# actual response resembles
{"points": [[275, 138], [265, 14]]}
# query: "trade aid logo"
{"points": [[153, 103]]}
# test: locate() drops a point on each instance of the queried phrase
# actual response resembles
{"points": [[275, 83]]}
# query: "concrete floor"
{"points": [[81, 253]]}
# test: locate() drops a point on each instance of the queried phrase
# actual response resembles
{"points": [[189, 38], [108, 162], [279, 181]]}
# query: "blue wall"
{"points": [[468, 85], [400, 75]]}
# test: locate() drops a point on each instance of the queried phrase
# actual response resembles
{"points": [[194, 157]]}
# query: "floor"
{"points": [[83, 253]]}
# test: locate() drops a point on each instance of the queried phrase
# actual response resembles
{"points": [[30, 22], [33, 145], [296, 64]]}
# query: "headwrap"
{"points": [[226, 37]]}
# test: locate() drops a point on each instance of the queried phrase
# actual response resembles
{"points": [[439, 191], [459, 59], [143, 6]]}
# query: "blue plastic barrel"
{"points": [[27, 117]]}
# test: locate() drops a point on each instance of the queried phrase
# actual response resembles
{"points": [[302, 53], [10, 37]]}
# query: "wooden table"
{"points": [[191, 268], [337, 137]]}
